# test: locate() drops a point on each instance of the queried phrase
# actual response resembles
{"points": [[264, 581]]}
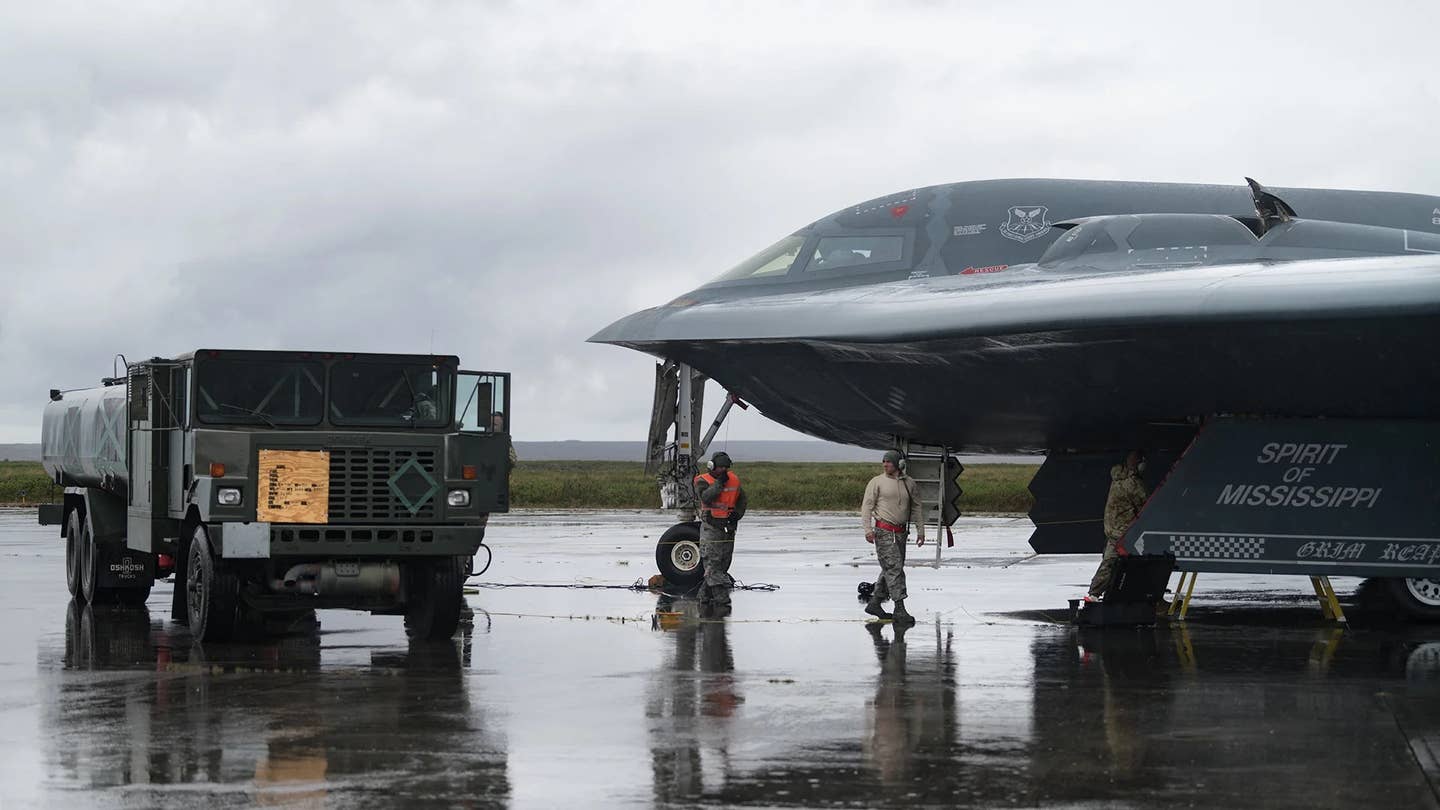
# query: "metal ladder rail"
{"points": [[932, 489]]}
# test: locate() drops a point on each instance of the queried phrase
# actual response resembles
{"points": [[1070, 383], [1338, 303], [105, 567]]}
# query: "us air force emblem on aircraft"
{"points": [[1026, 222]]}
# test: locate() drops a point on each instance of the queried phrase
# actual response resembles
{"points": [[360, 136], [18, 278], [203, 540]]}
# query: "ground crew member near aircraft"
{"points": [[1127, 496], [722, 504], [890, 504]]}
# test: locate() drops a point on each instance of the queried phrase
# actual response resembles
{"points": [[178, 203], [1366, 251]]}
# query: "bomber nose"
{"points": [[637, 327]]}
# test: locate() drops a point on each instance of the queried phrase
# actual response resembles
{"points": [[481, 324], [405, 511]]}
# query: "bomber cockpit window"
{"points": [[772, 261], [840, 252]]}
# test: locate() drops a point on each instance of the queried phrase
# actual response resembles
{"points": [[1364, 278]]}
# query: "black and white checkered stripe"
{"points": [[1217, 546]]}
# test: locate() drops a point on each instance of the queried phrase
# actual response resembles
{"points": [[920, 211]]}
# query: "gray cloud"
{"points": [[501, 180]]}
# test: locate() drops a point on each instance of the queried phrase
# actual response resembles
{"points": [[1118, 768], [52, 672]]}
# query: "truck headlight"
{"points": [[458, 497], [228, 496]]}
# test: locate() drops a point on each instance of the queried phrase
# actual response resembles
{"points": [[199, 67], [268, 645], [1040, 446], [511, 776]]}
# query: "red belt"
{"points": [[889, 527]]}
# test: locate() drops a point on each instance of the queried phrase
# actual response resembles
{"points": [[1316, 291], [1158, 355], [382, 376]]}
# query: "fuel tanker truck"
{"points": [[277, 482]]}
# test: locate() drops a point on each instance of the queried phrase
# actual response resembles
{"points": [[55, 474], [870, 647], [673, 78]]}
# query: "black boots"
{"points": [[874, 608], [902, 616]]}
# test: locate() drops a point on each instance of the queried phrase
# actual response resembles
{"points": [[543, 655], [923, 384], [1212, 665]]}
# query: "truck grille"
{"points": [[369, 484]]}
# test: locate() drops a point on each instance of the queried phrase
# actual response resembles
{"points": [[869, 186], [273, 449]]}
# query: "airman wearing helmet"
{"points": [[722, 504]]}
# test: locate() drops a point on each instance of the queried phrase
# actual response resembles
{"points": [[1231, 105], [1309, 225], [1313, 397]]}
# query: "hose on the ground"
{"points": [[637, 585]]}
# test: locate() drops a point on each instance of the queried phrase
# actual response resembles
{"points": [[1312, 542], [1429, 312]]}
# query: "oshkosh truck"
{"points": [[276, 482]]}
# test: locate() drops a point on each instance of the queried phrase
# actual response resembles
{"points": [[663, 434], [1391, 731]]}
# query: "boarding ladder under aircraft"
{"points": [[936, 472]]}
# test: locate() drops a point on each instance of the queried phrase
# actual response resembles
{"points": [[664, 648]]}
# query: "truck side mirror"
{"points": [[55, 395]]}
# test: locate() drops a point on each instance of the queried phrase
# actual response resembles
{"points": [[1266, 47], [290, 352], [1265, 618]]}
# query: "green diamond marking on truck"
{"points": [[412, 478]]}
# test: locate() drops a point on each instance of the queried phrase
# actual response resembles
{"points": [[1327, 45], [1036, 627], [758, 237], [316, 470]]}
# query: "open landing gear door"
{"points": [[482, 415], [1300, 496]]}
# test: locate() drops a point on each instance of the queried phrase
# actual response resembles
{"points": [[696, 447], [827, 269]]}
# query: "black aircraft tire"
{"points": [[73, 555], [1418, 598], [678, 555], [433, 596], [212, 594]]}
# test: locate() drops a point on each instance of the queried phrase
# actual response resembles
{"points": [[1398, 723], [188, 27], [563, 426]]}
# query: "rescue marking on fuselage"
{"points": [[970, 230]]}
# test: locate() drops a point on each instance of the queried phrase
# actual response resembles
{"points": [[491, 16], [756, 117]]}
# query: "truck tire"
{"points": [[212, 593], [433, 597], [73, 555], [1417, 597], [90, 590], [678, 555]]}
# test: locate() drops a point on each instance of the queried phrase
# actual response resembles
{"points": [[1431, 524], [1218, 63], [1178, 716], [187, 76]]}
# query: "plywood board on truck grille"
{"points": [[294, 486]]}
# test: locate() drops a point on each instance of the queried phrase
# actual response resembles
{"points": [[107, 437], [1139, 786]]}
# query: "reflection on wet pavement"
{"points": [[561, 697], [141, 707]]}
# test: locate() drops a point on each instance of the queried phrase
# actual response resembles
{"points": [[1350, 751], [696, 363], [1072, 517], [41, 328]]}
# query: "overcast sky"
{"points": [[499, 181]]}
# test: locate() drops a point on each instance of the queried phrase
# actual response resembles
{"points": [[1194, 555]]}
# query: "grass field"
{"points": [[23, 482], [988, 488]]}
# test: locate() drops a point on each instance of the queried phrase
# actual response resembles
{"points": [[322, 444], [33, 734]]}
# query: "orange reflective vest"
{"points": [[723, 506]]}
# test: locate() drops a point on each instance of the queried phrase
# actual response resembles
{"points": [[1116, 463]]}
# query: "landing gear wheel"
{"points": [[73, 555], [212, 594], [1418, 598], [678, 555], [433, 598]]}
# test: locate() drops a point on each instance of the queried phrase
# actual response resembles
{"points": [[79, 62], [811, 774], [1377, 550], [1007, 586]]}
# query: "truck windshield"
{"points": [[259, 392], [379, 394]]}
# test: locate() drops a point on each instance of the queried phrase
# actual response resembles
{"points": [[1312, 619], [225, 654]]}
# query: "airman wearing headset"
{"points": [[722, 504]]}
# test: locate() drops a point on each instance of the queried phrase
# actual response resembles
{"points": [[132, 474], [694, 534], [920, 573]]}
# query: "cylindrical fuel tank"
{"points": [[82, 438]]}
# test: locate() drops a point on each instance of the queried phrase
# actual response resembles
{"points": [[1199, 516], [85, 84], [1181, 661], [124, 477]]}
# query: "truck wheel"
{"points": [[1419, 598], [73, 555], [212, 594], [90, 590], [432, 599], [678, 555]]}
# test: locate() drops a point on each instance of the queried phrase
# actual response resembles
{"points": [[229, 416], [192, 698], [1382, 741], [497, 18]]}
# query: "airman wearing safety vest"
{"points": [[722, 504]]}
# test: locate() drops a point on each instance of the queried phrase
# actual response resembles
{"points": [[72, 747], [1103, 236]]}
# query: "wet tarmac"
{"points": [[586, 697]]}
